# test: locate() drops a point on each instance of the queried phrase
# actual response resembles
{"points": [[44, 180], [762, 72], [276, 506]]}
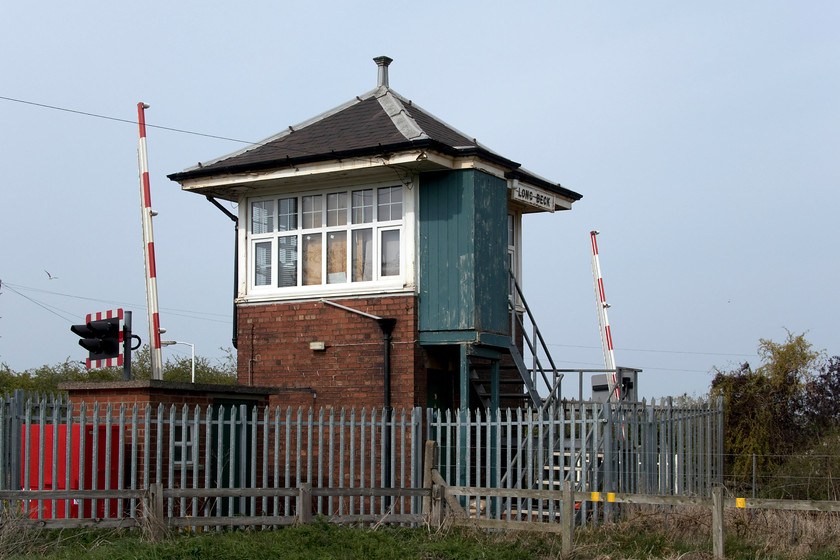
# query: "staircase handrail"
{"points": [[553, 386]]}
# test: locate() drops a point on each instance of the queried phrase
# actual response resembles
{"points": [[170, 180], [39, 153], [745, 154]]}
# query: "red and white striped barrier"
{"points": [[149, 248], [603, 320]]}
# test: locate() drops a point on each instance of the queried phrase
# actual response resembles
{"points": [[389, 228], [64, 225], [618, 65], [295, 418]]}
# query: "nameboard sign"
{"points": [[533, 196]]}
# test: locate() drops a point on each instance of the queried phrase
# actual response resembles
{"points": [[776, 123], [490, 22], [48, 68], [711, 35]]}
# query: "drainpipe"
{"points": [[229, 214], [387, 326]]}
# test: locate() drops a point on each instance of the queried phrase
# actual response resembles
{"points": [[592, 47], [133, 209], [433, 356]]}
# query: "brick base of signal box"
{"points": [[275, 349]]}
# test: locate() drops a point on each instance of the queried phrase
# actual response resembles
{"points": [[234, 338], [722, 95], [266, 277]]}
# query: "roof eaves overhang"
{"points": [[537, 181], [296, 173], [384, 151]]}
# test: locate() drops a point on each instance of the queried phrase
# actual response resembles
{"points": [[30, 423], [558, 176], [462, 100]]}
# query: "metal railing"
{"points": [[536, 346], [609, 447], [208, 450], [217, 463]]}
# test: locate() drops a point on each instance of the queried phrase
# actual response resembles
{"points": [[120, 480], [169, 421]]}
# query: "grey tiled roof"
{"points": [[378, 123], [357, 127]]}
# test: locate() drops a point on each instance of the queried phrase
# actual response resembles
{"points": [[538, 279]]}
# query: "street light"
{"points": [[192, 352]]}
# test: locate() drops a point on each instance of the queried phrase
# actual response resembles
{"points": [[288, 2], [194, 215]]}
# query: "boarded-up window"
{"points": [[336, 257], [311, 259]]}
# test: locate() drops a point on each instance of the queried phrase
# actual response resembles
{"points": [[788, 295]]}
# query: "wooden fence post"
{"points": [[568, 519], [154, 513], [718, 533], [304, 503]]}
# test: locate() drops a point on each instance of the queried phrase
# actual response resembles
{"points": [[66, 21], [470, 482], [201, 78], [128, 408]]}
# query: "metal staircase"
{"points": [[521, 384], [511, 393], [576, 456]]}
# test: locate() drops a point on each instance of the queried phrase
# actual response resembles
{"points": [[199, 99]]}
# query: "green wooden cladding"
{"points": [[463, 258]]}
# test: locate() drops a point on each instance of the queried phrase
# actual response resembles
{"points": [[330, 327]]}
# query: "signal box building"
{"points": [[375, 251]]}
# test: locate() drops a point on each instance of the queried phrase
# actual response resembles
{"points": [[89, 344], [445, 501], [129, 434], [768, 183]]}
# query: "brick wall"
{"points": [[274, 351], [155, 393]]}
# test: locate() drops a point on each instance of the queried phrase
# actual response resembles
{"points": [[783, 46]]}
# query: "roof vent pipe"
{"points": [[382, 77]]}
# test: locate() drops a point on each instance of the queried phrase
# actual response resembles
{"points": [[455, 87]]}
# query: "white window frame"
{"points": [[405, 225], [184, 445], [514, 251]]}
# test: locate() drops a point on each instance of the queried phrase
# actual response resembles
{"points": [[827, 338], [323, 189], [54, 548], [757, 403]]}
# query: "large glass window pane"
{"points": [[337, 209], [336, 257], [262, 216], [389, 204], [262, 264], [287, 214], [311, 214], [287, 261], [390, 248], [363, 206], [311, 259], [362, 255]]}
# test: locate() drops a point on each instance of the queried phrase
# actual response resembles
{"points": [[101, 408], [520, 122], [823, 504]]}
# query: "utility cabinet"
{"points": [[90, 468]]}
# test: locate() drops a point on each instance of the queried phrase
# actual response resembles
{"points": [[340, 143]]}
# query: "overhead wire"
{"points": [[55, 310], [127, 121], [647, 350], [208, 317], [658, 351], [594, 365], [44, 306], [291, 151], [173, 311]]}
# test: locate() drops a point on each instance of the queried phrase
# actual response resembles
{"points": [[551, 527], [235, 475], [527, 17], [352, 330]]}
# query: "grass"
{"points": [[645, 534], [319, 540]]}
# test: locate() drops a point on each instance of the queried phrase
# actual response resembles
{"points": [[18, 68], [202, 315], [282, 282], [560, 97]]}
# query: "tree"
{"points": [[179, 368], [820, 401], [45, 379], [762, 406]]}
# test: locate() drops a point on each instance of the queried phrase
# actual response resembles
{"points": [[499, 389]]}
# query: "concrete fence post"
{"points": [[568, 519], [718, 534]]}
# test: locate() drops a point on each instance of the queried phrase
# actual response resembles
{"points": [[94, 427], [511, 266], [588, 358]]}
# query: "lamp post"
{"points": [[192, 353]]}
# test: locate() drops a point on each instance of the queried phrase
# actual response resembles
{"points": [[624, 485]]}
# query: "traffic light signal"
{"points": [[102, 337]]}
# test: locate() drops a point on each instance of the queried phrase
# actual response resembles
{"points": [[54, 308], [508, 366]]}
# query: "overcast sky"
{"points": [[702, 136]]}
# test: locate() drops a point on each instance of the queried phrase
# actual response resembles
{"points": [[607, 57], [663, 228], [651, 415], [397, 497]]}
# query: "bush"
{"points": [[45, 379]]}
